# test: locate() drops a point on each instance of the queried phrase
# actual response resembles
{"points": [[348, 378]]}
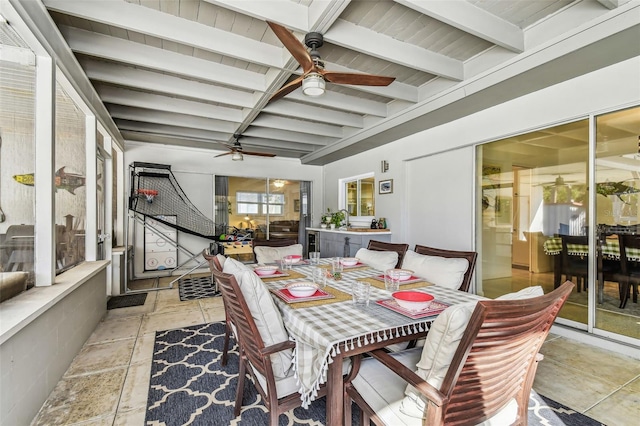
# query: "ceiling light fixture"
{"points": [[278, 183], [313, 84], [237, 156]]}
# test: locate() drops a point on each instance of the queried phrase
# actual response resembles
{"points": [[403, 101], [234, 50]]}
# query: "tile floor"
{"points": [[107, 382]]}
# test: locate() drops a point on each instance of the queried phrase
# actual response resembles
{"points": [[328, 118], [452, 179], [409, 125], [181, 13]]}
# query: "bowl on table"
{"points": [[292, 258], [413, 300], [400, 274], [302, 288], [266, 270], [349, 261]]}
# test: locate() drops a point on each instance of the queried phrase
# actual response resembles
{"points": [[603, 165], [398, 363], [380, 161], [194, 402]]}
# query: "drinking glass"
{"points": [[360, 292], [391, 282], [285, 262], [336, 268], [314, 257], [319, 276]]}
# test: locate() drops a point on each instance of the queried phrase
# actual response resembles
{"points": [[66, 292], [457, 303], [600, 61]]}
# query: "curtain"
{"points": [[221, 204], [305, 213]]}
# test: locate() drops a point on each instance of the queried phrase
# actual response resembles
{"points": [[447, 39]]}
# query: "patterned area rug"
{"points": [[196, 288], [189, 386]]}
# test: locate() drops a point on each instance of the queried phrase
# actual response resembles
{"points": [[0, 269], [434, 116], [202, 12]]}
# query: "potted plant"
{"points": [[326, 219], [337, 218]]}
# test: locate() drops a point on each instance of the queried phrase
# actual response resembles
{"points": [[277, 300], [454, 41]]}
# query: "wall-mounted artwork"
{"points": [[385, 186]]}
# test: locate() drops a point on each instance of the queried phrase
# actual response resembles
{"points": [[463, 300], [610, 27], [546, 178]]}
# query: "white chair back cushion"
{"points": [[442, 271], [441, 344], [381, 260], [222, 259], [264, 312], [265, 254]]}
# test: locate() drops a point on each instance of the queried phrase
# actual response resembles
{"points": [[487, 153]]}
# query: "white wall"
{"points": [[430, 164], [195, 169]]}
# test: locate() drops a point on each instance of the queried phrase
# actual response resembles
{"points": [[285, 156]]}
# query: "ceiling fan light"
{"points": [[313, 84], [237, 156], [278, 183]]}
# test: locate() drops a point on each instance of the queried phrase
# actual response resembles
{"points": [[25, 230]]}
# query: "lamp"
{"points": [[313, 84], [237, 156], [278, 183]]}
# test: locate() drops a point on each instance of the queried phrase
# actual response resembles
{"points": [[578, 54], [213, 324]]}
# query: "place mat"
{"points": [[412, 279], [380, 284], [339, 296], [434, 308], [291, 274], [348, 268], [277, 274], [286, 295]]}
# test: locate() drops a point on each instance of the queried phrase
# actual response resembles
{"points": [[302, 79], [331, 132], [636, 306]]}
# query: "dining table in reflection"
{"points": [[329, 331]]}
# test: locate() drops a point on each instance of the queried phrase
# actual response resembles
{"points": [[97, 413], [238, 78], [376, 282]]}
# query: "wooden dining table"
{"points": [[329, 331]]}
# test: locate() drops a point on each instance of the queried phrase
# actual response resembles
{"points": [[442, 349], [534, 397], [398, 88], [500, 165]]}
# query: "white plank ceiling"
{"points": [[196, 72]]}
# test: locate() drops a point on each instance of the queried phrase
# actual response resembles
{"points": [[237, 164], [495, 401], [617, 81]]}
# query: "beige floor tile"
{"points": [[211, 303], [172, 305], [214, 315], [168, 321], [130, 418], [136, 388], [620, 409], [569, 387], [83, 398], [102, 356], [116, 329], [634, 385], [143, 350], [617, 369]]}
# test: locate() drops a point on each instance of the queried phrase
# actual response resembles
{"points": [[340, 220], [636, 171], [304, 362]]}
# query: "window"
{"points": [[259, 203], [357, 196]]}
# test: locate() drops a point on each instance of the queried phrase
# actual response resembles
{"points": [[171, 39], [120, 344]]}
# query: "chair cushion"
{"points": [[221, 258], [382, 389], [381, 260], [265, 313], [442, 271], [266, 254], [442, 342]]}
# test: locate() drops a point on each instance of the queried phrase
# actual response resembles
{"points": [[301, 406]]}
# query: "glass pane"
{"points": [[533, 189], [617, 213], [367, 197], [17, 165], [70, 176]]}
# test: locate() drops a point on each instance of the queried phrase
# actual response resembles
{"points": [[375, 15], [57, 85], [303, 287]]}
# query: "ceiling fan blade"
{"points": [[226, 153], [260, 154], [293, 45], [355, 78], [286, 89]]}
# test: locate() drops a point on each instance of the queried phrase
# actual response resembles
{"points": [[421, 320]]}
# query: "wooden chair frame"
{"points": [[214, 265], [495, 361], [399, 248], [254, 355], [471, 256]]}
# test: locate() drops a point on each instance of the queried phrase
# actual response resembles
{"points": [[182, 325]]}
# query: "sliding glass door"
{"points": [[534, 193]]}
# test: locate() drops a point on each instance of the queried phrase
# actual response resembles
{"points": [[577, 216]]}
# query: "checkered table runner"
{"points": [[322, 331], [611, 249]]}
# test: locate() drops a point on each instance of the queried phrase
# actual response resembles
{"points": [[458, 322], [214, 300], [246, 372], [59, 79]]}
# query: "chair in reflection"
{"points": [[399, 248], [478, 365], [574, 265], [629, 276], [471, 257], [608, 269]]}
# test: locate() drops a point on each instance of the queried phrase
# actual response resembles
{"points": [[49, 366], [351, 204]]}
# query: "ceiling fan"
{"points": [[237, 152], [314, 75]]}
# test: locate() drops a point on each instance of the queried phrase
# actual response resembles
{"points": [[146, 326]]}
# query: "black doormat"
{"points": [[126, 300], [189, 386], [196, 288]]}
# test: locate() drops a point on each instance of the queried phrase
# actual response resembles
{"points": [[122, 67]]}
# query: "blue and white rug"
{"points": [[189, 386], [196, 288]]}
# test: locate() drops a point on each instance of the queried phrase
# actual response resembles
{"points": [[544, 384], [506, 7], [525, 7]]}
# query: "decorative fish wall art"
{"points": [[64, 180]]}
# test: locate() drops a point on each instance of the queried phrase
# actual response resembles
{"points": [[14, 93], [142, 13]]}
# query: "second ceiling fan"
{"points": [[237, 152], [314, 75]]}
